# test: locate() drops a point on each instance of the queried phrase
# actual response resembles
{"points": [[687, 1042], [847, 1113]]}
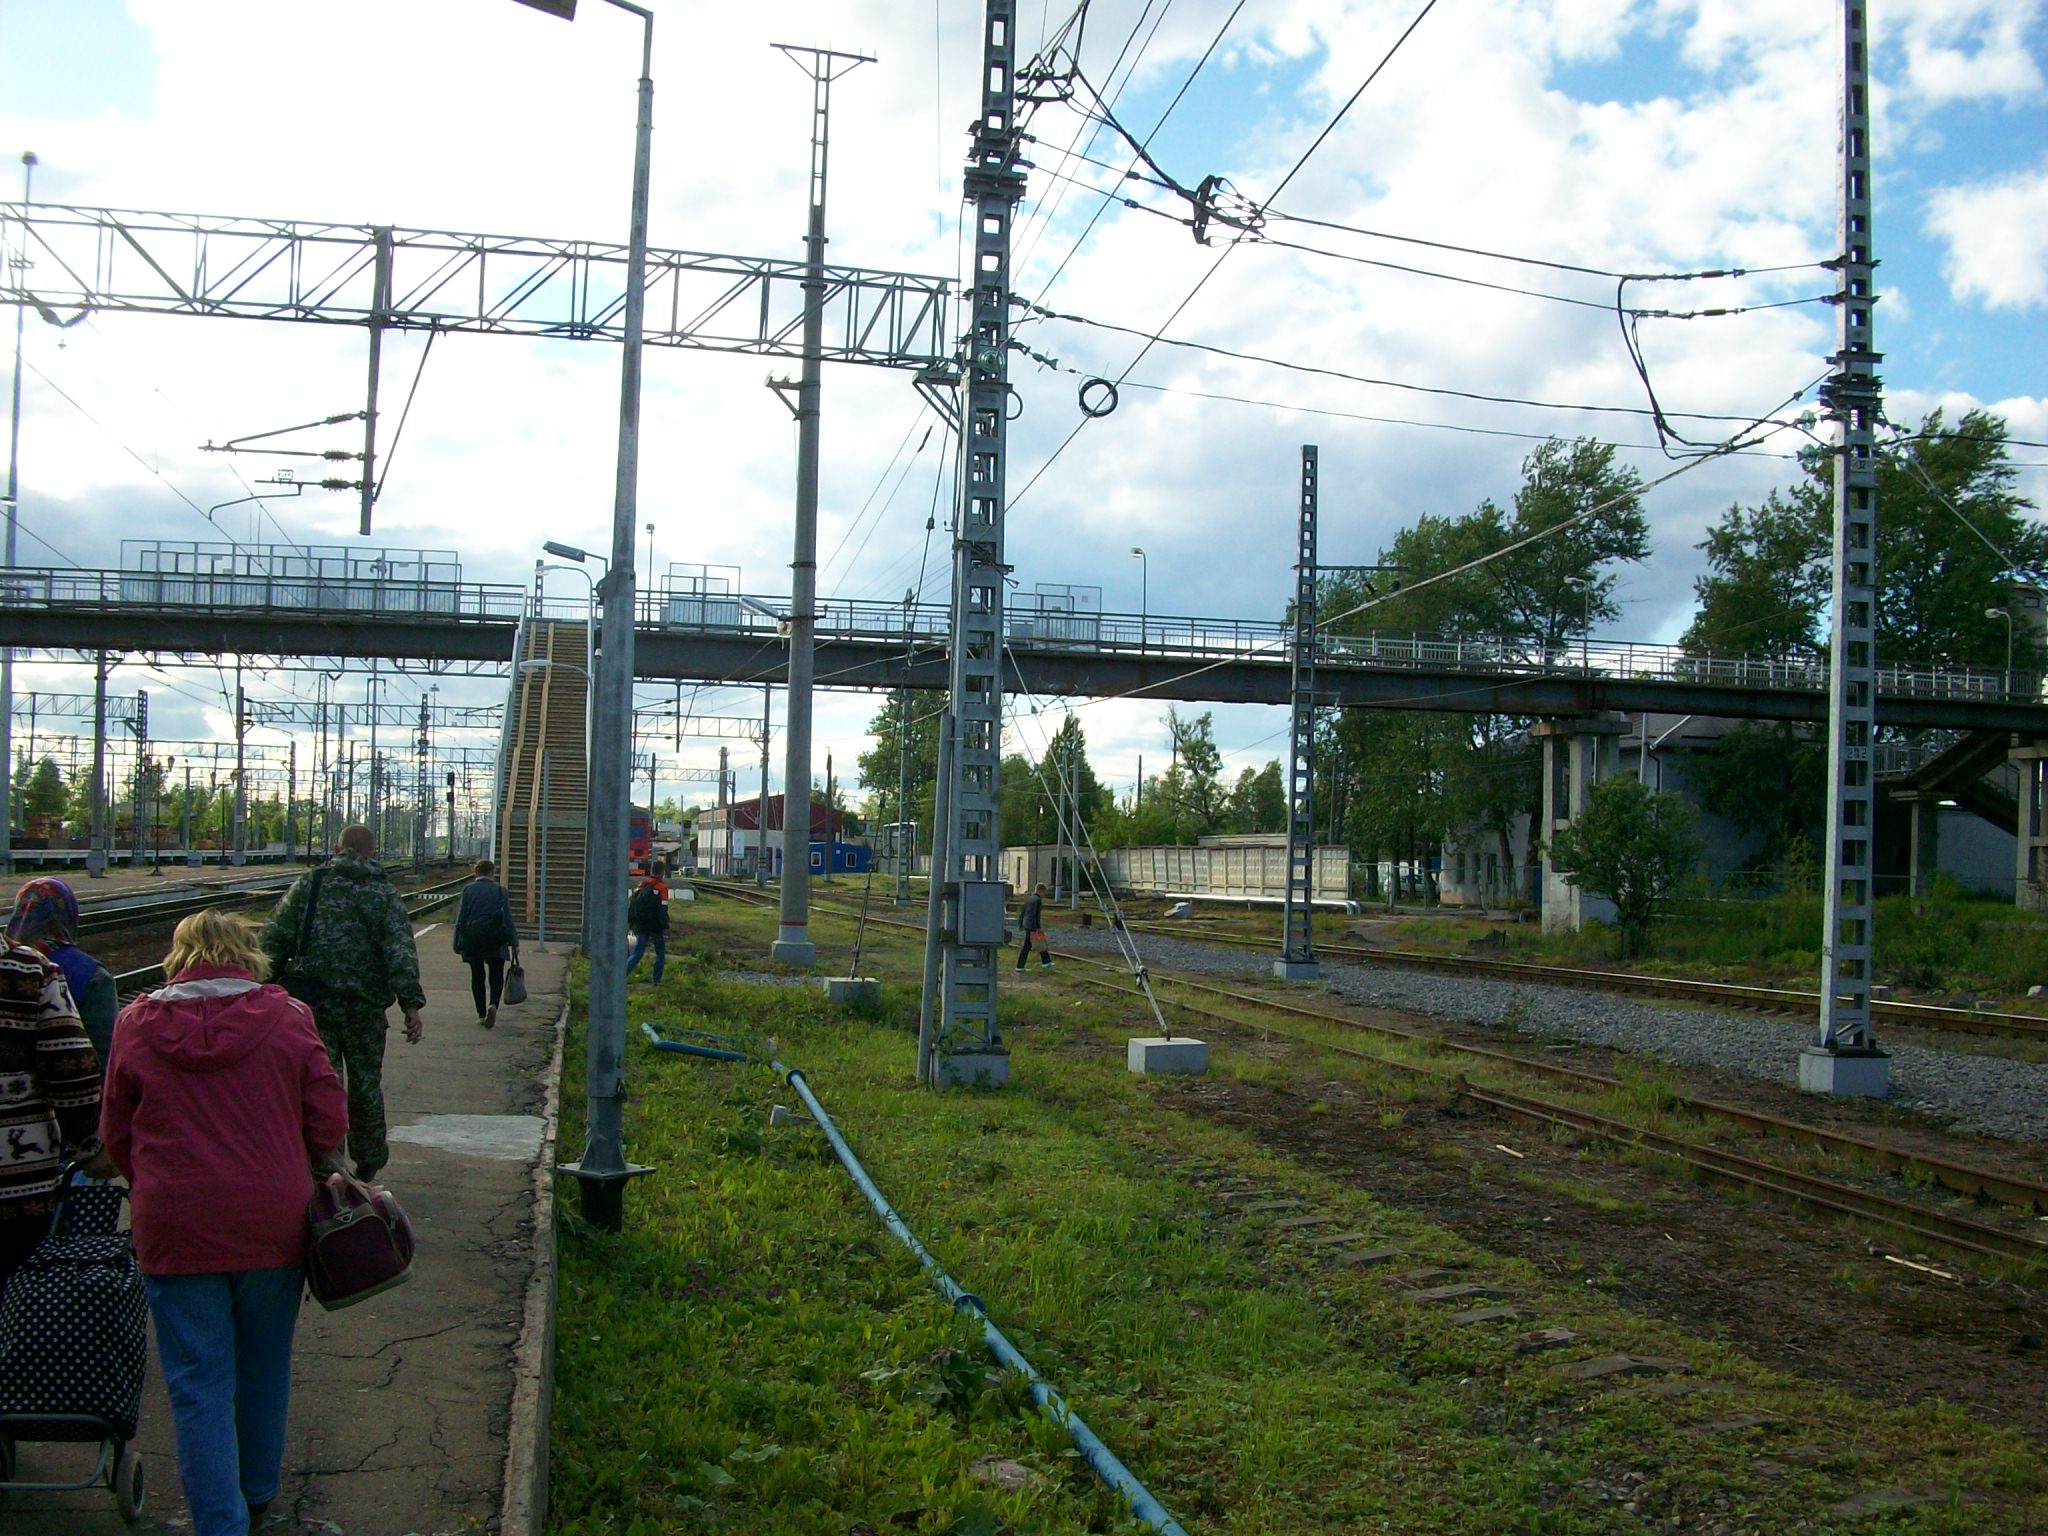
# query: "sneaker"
{"points": [[490, 1018]]}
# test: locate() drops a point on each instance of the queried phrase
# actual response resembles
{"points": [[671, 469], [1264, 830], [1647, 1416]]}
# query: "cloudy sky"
{"points": [[1656, 136]]}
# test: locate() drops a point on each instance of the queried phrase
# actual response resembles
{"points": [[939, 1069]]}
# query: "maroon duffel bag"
{"points": [[358, 1241]]}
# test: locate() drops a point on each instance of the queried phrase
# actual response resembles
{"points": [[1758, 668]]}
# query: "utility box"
{"points": [[978, 912]]}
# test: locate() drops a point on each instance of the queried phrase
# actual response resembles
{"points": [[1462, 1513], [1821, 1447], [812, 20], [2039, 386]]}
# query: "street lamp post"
{"points": [[28, 171], [1144, 599], [2006, 678], [603, 1170]]}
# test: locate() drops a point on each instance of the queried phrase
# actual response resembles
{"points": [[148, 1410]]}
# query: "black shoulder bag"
{"points": [[309, 990]]}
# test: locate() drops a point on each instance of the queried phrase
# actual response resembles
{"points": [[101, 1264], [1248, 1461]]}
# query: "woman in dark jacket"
{"points": [[45, 918], [485, 937]]}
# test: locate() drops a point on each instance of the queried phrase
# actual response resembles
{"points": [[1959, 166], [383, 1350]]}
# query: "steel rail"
{"points": [[1802, 1188], [1789, 1001], [2006, 1189]]}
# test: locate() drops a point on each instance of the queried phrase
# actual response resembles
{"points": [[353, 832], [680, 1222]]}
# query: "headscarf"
{"points": [[45, 914]]}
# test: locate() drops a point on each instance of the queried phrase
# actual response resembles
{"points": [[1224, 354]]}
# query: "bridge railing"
{"points": [[1169, 637]]}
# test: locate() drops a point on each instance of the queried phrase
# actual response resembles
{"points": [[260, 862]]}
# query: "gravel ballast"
{"points": [[1985, 1095]]}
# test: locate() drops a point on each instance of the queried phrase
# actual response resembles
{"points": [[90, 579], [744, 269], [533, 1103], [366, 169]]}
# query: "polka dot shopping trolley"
{"points": [[74, 1338]]}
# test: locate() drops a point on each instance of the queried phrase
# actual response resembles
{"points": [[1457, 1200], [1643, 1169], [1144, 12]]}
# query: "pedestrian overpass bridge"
{"points": [[698, 637]]}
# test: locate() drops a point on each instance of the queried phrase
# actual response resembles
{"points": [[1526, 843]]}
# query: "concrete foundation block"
{"points": [[988, 1067], [1296, 970], [1845, 1074], [1153, 1053], [799, 952], [852, 991]]}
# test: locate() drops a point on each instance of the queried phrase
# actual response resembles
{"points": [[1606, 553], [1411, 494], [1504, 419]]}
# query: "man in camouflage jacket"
{"points": [[360, 949]]}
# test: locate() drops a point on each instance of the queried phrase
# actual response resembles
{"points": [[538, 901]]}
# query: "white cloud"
{"points": [[1997, 238], [479, 114]]}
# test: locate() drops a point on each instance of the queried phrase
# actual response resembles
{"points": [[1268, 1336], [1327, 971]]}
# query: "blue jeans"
{"points": [[640, 943], [225, 1342]]}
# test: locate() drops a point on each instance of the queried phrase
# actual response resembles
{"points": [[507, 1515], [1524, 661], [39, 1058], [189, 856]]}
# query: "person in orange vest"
{"points": [[647, 920]]}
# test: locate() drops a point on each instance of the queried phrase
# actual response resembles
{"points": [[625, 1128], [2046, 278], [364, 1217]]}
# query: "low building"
{"points": [[730, 838]]}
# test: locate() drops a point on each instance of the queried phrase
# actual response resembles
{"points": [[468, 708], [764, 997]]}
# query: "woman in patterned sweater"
{"points": [[49, 1096]]}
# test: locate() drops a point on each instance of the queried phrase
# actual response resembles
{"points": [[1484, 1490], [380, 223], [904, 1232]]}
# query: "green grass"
{"points": [[755, 1353]]}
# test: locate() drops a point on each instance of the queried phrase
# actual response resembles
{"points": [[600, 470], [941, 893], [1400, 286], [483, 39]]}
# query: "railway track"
{"points": [[1787, 1001], [130, 983], [1807, 1189]]}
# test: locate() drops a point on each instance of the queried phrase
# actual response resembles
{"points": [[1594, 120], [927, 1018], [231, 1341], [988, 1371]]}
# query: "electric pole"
{"points": [[960, 1039], [793, 944], [1846, 1059], [1297, 960]]}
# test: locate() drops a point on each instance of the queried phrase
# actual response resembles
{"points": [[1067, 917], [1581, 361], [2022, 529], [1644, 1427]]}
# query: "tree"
{"points": [[1953, 538], [1035, 796], [1257, 801], [1545, 576], [1767, 581], [878, 766], [1529, 577], [43, 793], [1191, 791], [1633, 846]]}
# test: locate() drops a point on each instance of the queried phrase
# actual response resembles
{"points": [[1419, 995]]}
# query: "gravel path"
{"points": [[1986, 1095]]}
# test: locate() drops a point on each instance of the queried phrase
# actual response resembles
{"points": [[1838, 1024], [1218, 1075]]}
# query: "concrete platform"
{"points": [[419, 1410], [1154, 1053]]}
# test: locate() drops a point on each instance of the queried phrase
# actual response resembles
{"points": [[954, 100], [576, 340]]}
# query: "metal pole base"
{"points": [[1296, 970], [981, 1066], [795, 951], [604, 1192]]}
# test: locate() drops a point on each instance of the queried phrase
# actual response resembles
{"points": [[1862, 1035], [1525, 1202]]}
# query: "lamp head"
{"points": [[566, 552], [1997, 613], [1137, 553]]}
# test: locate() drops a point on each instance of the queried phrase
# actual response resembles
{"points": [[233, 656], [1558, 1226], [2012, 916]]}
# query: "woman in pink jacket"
{"points": [[219, 1100]]}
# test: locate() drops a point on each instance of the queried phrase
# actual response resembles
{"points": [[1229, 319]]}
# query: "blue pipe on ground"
{"points": [[682, 1048], [1098, 1456]]}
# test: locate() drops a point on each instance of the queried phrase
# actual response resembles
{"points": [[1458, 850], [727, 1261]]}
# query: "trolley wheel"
{"points": [[128, 1478]]}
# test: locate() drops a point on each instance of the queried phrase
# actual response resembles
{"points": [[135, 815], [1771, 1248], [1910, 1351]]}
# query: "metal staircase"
{"points": [[542, 829]]}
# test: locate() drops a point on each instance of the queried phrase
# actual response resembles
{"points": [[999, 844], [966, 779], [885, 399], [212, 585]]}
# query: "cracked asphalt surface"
{"points": [[399, 1405]]}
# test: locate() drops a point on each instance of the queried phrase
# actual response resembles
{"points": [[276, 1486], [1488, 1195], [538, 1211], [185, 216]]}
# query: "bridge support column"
{"points": [[2030, 874], [1923, 840], [1577, 754]]}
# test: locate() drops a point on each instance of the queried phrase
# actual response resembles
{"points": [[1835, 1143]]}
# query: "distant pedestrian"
{"points": [[1031, 918], [486, 938], [49, 1095], [359, 953], [647, 919], [220, 1100], [46, 918]]}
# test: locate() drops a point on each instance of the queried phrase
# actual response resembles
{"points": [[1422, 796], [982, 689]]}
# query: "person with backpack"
{"points": [[485, 937], [647, 920], [341, 943]]}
